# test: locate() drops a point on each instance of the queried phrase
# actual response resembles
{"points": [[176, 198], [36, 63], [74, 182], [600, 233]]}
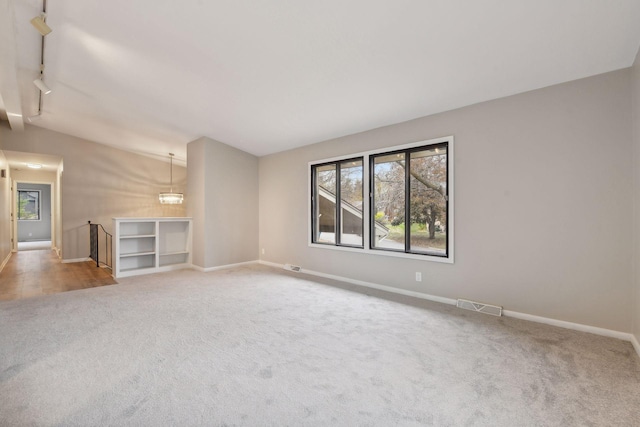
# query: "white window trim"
{"points": [[366, 214]]}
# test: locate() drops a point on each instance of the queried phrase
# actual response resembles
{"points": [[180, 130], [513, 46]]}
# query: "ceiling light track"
{"points": [[39, 23]]}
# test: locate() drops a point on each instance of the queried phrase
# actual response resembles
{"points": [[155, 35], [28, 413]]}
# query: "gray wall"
{"points": [[223, 194], [98, 183], [543, 204], [635, 81], [196, 209], [40, 229]]}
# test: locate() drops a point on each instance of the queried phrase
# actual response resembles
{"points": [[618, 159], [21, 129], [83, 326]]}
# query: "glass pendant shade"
{"points": [[171, 198]]}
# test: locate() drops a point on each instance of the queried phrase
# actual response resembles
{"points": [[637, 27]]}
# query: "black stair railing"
{"points": [[94, 243]]}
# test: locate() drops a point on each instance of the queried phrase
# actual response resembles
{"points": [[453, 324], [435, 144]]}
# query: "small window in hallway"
{"points": [[29, 205]]}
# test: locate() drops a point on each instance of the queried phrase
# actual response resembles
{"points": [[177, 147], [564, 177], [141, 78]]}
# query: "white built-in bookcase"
{"points": [[151, 245]]}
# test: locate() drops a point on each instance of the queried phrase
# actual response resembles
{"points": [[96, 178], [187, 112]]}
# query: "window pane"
{"points": [[325, 200], [28, 205], [389, 199], [428, 205], [351, 206]]}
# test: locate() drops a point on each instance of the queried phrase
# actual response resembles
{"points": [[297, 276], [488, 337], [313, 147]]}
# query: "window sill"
{"points": [[365, 251]]}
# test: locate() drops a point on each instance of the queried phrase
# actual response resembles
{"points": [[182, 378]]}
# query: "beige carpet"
{"points": [[258, 346]]}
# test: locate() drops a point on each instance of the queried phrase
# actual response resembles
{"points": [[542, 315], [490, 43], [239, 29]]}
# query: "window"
{"points": [[29, 205], [410, 199], [337, 201], [406, 212]]}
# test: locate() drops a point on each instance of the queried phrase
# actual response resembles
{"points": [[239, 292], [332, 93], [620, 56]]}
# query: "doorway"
{"points": [[34, 215], [36, 195]]}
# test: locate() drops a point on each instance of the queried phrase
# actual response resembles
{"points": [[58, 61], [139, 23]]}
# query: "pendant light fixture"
{"points": [[171, 198]]}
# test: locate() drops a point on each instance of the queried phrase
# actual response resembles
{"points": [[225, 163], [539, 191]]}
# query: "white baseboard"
{"points": [[5, 261], [507, 313], [569, 325], [68, 261], [421, 295], [221, 267]]}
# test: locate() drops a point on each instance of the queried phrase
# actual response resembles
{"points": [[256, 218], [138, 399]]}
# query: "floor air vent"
{"points": [[292, 267], [478, 306]]}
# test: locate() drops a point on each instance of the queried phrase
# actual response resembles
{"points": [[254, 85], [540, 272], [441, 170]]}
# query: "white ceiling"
{"points": [[266, 76]]}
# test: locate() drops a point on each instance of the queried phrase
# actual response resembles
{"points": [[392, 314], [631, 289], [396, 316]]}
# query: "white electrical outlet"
{"points": [[262, 251], [418, 276]]}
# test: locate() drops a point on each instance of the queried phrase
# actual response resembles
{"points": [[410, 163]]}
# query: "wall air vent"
{"points": [[480, 307], [292, 267]]}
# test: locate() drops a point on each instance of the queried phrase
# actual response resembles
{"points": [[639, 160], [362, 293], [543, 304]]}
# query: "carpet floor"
{"points": [[259, 346]]}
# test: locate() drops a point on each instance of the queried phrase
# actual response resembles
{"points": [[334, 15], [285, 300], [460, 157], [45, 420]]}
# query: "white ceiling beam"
{"points": [[9, 68]]}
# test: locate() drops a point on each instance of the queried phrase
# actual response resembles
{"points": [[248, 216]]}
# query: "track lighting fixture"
{"points": [[40, 25], [43, 87]]}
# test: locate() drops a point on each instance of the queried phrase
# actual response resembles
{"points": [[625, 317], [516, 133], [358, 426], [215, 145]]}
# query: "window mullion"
{"points": [[338, 224], [371, 198], [314, 208], [407, 202]]}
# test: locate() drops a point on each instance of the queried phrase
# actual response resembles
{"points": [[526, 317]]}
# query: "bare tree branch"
{"points": [[427, 184]]}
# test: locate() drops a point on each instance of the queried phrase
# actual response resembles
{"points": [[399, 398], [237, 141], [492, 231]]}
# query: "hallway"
{"points": [[40, 272]]}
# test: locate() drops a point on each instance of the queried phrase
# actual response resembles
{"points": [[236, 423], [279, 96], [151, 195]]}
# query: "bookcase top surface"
{"points": [[158, 218]]}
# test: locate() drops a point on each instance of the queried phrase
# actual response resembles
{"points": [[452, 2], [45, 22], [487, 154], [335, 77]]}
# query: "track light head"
{"points": [[40, 25], [43, 87]]}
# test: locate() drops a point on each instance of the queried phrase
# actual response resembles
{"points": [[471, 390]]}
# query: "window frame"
{"points": [[338, 203], [367, 157], [26, 190], [407, 197]]}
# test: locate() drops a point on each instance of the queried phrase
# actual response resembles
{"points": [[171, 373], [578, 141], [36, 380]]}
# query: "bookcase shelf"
{"points": [[136, 254], [151, 245]]}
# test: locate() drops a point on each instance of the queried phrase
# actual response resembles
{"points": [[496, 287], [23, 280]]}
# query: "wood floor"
{"points": [[32, 273]]}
